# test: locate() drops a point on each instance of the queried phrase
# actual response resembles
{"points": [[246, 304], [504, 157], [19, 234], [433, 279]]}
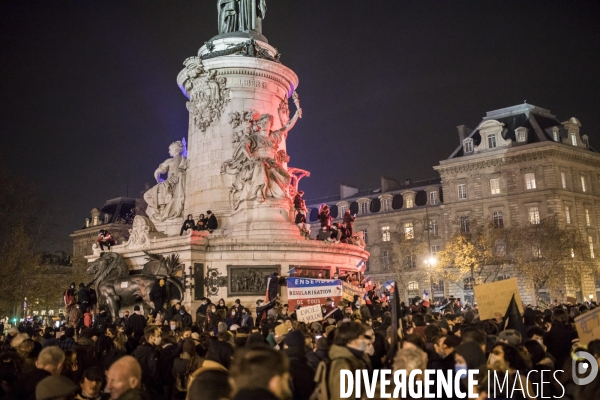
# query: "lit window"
{"points": [[530, 181], [572, 253], [462, 191], [583, 187], [534, 215], [385, 204], [588, 221], [385, 233], [568, 214], [364, 208], [433, 197], [492, 141], [573, 139], [463, 221], [498, 219], [409, 231], [435, 248], [413, 285], [410, 203], [555, 135], [563, 179], [468, 146], [106, 217], [591, 242], [342, 211], [434, 227], [495, 186], [95, 220], [521, 136], [385, 260]]}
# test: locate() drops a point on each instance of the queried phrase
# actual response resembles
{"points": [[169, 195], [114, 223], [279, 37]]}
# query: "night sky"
{"points": [[89, 101]]}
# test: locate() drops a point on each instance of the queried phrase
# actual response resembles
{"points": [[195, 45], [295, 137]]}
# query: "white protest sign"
{"points": [[309, 314]]}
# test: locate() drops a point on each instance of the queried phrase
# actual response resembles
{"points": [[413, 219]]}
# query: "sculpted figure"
{"points": [[258, 163], [240, 15], [165, 200]]}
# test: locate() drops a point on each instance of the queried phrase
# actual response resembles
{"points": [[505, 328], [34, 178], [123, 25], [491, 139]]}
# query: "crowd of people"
{"points": [[204, 223], [233, 352]]}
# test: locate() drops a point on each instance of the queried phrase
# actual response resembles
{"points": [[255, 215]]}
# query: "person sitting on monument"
{"points": [[105, 239], [202, 223], [336, 234], [211, 223], [300, 221], [349, 219], [187, 224]]}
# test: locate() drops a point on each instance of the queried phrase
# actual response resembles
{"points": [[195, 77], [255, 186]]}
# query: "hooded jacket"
{"points": [[342, 358]]}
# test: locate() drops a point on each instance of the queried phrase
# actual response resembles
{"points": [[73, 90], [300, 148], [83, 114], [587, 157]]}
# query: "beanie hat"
{"points": [[55, 386], [294, 339], [510, 336]]}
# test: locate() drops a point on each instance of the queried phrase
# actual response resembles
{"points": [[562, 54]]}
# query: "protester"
{"points": [[261, 373], [105, 239], [211, 223], [91, 384], [49, 363], [187, 224], [124, 377]]}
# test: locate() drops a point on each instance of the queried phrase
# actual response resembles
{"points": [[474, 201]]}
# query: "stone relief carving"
{"points": [[207, 92], [258, 163], [247, 49], [166, 199], [139, 233], [248, 280]]}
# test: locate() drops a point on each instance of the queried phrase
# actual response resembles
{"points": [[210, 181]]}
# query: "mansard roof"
{"points": [[538, 121]]}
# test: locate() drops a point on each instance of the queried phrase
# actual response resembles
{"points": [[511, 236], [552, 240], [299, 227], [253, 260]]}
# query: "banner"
{"points": [[349, 290], [310, 314], [310, 292], [495, 297], [588, 326]]}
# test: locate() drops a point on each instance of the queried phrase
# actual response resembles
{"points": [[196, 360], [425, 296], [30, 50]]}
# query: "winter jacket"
{"points": [[136, 325], [186, 318], [87, 320], [83, 295], [212, 222], [149, 357], [102, 321], [342, 358], [301, 372]]}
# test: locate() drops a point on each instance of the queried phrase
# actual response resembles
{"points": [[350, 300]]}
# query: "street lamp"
{"points": [[431, 261]]}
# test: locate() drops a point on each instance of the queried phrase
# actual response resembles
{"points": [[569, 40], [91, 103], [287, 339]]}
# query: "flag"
{"points": [[361, 266], [388, 285], [292, 271], [512, 319], [383, 297], [367, 299], [368, 284], [426, 302]]}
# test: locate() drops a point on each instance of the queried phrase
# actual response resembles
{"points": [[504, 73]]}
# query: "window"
{"points": [[534, 215], [591, 242], [588, 221], [413, 286], [364, 208], [106, 217], [462, 191], [411, 261], [495, 186], [573, 139], [563, 179], [521, 136], [433, 197], [468, 146], [568, 214], [468, 283], [342, 211], [498, 219], [385, 261], [409, 231], [385, 233], [583, 187], [409, 202], [435, 248], [433, 225], [385, 204], [463, 221], [555, 135], [530, 181], [491, 141], [438, 286]]}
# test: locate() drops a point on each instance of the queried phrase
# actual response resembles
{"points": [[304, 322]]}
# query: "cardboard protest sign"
{"points": [[495, 297], [571, 300], [309, 314], [281, 329], [310, 292], [349, 290], [588, 326]]}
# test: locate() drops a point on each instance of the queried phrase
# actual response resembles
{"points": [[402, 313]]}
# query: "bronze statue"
{"points": [[241, 15], [116, 288]]}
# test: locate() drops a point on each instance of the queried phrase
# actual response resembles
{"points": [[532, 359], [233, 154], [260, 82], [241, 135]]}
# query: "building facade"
{"points": [[518, 166]]}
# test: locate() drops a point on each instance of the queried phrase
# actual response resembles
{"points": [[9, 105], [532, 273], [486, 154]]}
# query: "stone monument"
{"points": [[235, 164]]}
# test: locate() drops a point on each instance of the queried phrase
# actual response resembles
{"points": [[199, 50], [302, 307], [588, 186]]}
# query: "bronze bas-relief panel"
{"points": [[248, 280]]}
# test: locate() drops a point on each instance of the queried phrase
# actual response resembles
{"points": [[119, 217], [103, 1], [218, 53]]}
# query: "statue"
{"points": [[241, 15], [257, 163], [165, 200], [116, 288]]}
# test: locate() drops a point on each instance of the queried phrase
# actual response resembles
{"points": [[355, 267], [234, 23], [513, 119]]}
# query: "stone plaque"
{"points": [[248, 280]]}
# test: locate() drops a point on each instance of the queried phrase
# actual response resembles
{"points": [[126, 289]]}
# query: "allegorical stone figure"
{"points": [[166, 199], [240, 15]]}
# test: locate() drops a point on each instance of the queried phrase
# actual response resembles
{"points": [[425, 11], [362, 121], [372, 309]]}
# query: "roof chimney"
{"points": [[389, 184], [407, 182], [347, 191]]}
